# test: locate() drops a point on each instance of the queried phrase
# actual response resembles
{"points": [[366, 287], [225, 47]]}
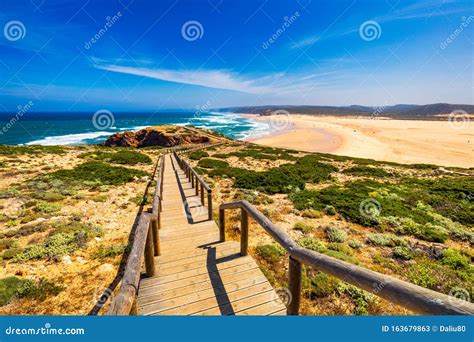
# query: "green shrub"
{"points": [[11, 253], [30, 149], [303, 227], [340, 247], [401, 252], [312, 243], [8, 288], [361, 299], [379, 239], [104, 252], [45, 207], [38, 290], [311, 213], [335, 234], [271, 253], [7, 244], [208, 163], [368, 171], [196, 155], [355, 244], [94, 172], [121, 157], [322, 285], [100, 198], [455, 259], [330, 210], [52, 196]]}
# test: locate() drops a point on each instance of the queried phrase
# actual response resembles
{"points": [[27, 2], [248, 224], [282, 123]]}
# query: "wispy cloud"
{"points": [[218, 79], [420, 10]]}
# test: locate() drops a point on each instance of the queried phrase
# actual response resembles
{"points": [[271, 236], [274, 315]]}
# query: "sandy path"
{"points": [[403, 141]]}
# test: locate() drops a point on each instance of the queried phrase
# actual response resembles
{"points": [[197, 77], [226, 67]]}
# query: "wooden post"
{"points": [[197, 186], [244, 232], [134, 310], [202, 194], [209, 203], [149, 254], [156, 236], [221, 225], [192, 178], [294, 286]]}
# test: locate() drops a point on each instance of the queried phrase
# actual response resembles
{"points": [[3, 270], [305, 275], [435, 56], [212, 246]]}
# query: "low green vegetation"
{"points": [[271, 253], [120, 157], [95, 172], [14, 287], [390, 240], [335, 234], [303, 227], [65, 238], [104, 252], [432, 210], [368, 171], [312, 213], [196, 155], [31, 149]]}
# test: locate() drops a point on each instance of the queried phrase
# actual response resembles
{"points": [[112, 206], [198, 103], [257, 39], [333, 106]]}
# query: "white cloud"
{"points": [[219, 79]]}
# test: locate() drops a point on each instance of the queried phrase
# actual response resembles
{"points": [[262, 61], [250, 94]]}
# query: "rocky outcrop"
{"points": [[153, 136]]}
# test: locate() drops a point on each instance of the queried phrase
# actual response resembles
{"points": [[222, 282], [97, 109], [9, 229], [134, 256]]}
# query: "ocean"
{"points": [[31, 128]]}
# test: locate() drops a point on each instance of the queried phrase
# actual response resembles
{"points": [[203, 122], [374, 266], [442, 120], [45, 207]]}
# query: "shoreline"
{"points": [[384, 139]]}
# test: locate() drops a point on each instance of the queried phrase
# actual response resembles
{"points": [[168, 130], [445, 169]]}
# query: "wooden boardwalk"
{"points": [[195, 273]]}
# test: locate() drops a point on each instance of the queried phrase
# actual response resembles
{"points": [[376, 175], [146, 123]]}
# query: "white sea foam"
{"points": [[69, 139]]}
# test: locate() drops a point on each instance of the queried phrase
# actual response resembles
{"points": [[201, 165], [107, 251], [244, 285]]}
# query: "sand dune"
{"points": [[403, 141]]}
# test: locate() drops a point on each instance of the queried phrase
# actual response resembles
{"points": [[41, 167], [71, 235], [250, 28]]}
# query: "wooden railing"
{"points": [[399, 292], [146, 243], [196, 182]]}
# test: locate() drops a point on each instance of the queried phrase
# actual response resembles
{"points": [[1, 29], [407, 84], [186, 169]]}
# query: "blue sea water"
{"points": [[80, 128]]}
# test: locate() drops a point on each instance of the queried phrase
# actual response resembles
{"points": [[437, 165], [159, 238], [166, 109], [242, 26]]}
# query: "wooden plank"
{"points": [[196, 252], [161, 291], [264, 309], [221, 300], [247, 261], [224, 303], [154, 306]]}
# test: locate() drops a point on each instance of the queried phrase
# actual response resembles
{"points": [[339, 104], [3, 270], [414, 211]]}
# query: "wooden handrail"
{"points": [[399, 292], [196, 182], [145, 244]]}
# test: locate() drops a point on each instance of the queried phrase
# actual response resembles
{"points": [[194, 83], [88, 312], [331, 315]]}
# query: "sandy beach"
{"points": [[402, 141]]}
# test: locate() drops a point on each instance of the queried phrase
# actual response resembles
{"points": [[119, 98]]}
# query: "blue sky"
{"points": [[64, 57]]}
